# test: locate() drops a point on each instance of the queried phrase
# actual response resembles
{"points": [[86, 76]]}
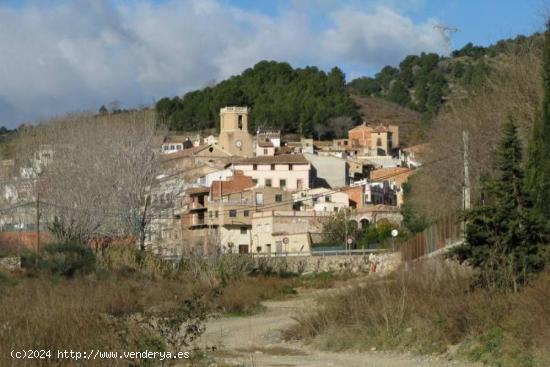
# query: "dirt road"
{"points": [[255, 341]]}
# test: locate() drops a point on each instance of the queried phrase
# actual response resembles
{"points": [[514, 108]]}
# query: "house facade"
{"points": [[375, 139], [321, 200], [284, 231], [286, 171]]}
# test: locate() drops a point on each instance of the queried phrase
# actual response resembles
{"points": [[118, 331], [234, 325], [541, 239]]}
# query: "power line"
{"points": [[126, 215], [333, 191]]}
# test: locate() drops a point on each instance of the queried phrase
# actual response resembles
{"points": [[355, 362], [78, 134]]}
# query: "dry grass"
{"points": [[429, 308], [243, 297], [80, 314], [130, 301]]}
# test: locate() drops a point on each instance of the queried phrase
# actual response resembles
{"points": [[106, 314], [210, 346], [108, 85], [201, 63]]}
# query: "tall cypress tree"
{"points": [[538, 174], [505, 238]]}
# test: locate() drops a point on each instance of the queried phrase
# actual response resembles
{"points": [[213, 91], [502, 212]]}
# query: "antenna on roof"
{"points": [[447, 34]]}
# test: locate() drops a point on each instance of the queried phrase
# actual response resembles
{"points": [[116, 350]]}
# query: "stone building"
{"points": [[231, 206], [234, 137], [283, 231], [286, 171], [375, 139]]}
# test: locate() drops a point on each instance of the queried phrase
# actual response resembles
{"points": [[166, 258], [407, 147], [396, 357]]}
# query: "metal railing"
{"points": [[339, 252]]}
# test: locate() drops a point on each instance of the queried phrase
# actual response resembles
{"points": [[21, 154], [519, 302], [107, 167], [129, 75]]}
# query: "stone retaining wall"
{"points": [[10, 263], [377, 263]]}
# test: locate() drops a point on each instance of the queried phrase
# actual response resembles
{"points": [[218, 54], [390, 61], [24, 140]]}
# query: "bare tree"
{"points": [[98, 178], [514, 89]]}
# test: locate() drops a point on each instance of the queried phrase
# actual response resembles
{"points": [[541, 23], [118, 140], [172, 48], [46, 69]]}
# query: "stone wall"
{"points": [[377, 263], [10, 263]]}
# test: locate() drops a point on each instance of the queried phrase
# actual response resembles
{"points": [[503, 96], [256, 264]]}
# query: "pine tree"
{"points": [[539, 150], [505, 239]]}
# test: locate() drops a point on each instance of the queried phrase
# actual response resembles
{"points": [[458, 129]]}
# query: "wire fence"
{"points": [[441, 234]]}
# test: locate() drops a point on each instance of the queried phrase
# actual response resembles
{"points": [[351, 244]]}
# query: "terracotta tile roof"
{"points": [[364, 127], [276, 159], [236, 183], [265, 144], [181, 153]]}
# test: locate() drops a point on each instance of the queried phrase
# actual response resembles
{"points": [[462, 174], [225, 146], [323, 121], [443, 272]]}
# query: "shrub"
{"points": [[244, 296], [84, 313], [427, 308], [67, 259]]}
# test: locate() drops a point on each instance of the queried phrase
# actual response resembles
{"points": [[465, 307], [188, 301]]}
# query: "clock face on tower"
{"points": [[238, 143]]}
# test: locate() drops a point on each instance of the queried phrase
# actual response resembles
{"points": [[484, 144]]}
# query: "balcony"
{"points": [[197, 221], [196, 206]]}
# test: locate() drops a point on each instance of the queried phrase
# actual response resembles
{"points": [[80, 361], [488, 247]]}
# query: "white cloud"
{"points": [[73, 56]]}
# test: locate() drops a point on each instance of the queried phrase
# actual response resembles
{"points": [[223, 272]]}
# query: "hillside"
{"points": [[425, 82], [293, 100], [314, 103], [376, 109]]}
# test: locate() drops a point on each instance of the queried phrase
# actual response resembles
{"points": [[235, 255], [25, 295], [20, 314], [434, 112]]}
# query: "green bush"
{"points": [[6, 279], [67, 259]]}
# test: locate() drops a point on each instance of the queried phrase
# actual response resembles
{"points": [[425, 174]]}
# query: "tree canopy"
{"points": [[423, 82], [293, 100], [539, 149], [506, 240]]}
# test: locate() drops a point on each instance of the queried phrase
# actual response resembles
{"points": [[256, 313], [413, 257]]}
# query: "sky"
{"points": [[59, 56]]}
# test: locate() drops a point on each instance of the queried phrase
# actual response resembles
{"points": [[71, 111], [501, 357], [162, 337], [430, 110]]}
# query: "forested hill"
{"points": [[319, 104], [293, 100], [424, 82]]}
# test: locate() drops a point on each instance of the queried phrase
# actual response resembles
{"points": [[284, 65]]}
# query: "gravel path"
{"points": [[255, 341]]}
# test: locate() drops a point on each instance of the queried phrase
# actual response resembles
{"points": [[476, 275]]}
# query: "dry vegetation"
{"points": [[79, 182], [515, 89], [378, 110], [128, 300], [430, 308]]}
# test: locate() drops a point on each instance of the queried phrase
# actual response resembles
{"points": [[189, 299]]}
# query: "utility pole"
{"points": [[346, 228], [37, 222], [466, 192]]}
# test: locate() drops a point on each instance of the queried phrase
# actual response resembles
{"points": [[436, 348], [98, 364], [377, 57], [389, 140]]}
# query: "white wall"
{"points": [[281, 171]]}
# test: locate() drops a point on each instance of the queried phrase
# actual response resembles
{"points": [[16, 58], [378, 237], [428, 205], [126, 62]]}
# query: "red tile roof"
{"points": [[276, 159]]}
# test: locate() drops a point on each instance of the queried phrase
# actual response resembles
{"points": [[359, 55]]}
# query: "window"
{"points": [[379, 142], [290, 167], [246, 213], [233, 213], [216, 214], [240, 122], [255, 167], [328, 199], [210, 214], [273, 167], [299, 184], [265, 151], [259, 198], [255, 181], [267, 182], [243, 230], [282, 183], [278, 197]]}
